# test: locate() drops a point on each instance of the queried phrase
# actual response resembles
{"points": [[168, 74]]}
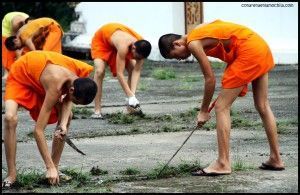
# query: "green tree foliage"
{"points": [[62, 12]]}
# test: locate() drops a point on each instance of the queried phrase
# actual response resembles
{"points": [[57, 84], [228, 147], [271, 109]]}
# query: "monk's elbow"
{"points": [[119, 75], [211, 80], [36, 133]]}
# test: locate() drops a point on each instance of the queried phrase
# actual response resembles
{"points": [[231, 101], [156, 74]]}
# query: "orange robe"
{"points": [[23, 82], [102, 48], [49, 36], [8, 57], [249, 56]]}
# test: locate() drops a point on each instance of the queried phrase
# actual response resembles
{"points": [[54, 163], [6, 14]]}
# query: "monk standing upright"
{"points": [[47, 84], [11, 23], [38, 34], [248, 59], [120, 47]]}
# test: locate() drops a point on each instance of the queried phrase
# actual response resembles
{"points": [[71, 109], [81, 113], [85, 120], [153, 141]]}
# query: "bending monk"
{"points": [[121, 48], [39, 34], [11, 23], [46, 84], [249, 60]]}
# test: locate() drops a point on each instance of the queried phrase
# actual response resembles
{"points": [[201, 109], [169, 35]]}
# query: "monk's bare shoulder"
{"points": [[54, 76], [121, 40]]}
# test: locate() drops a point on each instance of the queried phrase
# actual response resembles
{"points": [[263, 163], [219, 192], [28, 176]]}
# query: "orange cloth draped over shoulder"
{"points": [[249, 56], [49, 36], [101, 45], [23, 82]]}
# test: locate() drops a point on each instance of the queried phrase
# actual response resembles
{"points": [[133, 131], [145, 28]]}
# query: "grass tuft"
{"points": [[98, 171], [163, 74], [130, 171]]}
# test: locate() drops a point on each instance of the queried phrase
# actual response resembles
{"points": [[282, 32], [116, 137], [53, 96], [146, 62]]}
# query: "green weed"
{"points": [[81, 111], [143, 86], [98, 171], [218, 65], [121, 118], [29, 179], [240, 165], [130, 171], [30, 135], [284, 125], [135, 130], [188, 114], [185, 87], [240, 122], [171, 171], [188, 78], [78, 176], [163, 74]]}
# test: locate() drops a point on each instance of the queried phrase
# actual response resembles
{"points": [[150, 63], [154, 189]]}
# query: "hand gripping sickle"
{"points": [[68, 141]]}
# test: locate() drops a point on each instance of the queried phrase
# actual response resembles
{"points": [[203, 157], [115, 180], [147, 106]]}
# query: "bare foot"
{"points": [[274, 163], [217, 167]]}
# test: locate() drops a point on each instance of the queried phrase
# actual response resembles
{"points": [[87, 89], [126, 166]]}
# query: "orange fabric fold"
{"points": [[23, 82], [49, 36], [8, 57], [101, 45], [249, 56]]}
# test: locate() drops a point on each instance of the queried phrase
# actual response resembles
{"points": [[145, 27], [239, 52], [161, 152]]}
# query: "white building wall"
{"points": [[277, 25], [149, 19]]}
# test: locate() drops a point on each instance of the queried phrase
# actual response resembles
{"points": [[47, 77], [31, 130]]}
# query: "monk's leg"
{"points": [[222, 109], [58, 144], [10, 125], [260, 95], [99, 74]]}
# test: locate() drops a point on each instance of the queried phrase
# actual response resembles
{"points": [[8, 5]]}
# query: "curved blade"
{"points": [[70, 143]]}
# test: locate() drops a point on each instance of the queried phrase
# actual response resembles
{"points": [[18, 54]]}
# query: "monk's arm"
{"points": [[136, 73], [196, 48], [120, 73], [65, 113], [28, 42], [18, 53], [49, 102]]}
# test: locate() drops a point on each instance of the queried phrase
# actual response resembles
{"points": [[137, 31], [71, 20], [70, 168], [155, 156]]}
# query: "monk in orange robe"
{"points": [[249, 60], [121, 48], [39, 34], [11, 23], [47, 84]]}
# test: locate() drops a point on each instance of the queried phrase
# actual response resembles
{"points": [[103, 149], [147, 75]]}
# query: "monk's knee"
{"points": [[219, 108], [100, 72], [70, 118], [11, 119], [262, 107]]}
